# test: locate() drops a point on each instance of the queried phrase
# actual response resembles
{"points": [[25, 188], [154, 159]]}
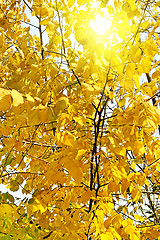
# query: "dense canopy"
{"points": [[79, 119]]}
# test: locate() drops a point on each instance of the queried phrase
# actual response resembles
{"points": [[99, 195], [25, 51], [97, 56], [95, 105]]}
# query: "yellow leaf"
{"points": [[50, 12], [127, 83], [44, 22], [117, 236], [136, 194], [33, 117], [133, 236], [5, 210], [146, 90], [136, 81], [138, 217], [5, 100], [122, 102], [40, 207], [14, 186], [146, 64], [68, 138], [138, 148], [113, 187], [119, 150], [53, 69], [156, 74], [108, 222], [79, 120], [43, 113], [82, 152], [17, 98], [86, 196], [130, 229], [70, 3], [50, 28], [151, 123], [125, 185], [61, 104], [35, 206], [43, 10], [29, 98], [81, 35], [76, 173], [130, 70], [132, 130], [137, 56], [106, 236], [88, 87], [145, 24]]}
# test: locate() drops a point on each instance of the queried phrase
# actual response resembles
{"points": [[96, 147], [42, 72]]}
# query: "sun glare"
{"points": [[100, 24]]}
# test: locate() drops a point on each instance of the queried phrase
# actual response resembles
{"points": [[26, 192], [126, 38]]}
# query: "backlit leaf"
{"points": [[17, 98]]}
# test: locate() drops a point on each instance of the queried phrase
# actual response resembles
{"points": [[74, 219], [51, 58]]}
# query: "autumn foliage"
{"points": [[79, 120]]}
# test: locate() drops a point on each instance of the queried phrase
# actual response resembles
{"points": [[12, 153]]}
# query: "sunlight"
{"points": [[100, 24]]}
